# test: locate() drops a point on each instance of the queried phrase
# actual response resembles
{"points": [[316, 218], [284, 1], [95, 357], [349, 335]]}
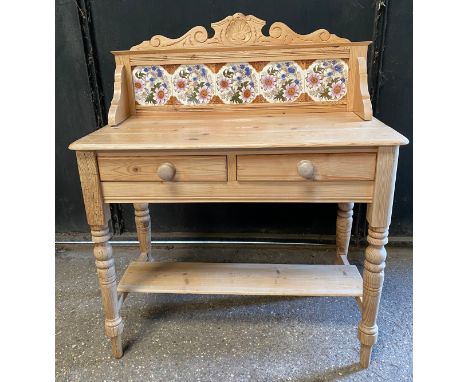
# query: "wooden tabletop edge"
{"points": [[76, 146]]}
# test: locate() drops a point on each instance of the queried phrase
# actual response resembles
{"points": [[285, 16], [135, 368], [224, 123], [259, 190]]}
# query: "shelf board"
{"points": [[242, 279]]}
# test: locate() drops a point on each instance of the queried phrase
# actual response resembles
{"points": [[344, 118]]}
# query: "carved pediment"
{"points": [[239, 30]]}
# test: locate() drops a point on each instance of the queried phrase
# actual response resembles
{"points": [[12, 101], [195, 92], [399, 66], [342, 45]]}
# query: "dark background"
{"points": [[86, 32]]}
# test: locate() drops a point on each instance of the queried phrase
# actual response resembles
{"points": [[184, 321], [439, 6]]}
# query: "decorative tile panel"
{"points": [[281, 81], [193, 84], [152, 85], [326, 80], [241, 83], [237, 83]]}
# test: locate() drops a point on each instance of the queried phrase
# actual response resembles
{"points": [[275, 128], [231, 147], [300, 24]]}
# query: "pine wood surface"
{"points": [[105, 267], [217, 192], [379, 214], [143, 227], [261, 152], [213, 56], [198, 131], [326, 167], [363, 107], [240, 30], [96, 212], [344, 223], [144, 168], [245, 279], [380, 211], [119, 109], [239, 38]]}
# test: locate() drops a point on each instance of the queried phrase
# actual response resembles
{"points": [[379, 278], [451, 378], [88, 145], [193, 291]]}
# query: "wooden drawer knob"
{"points": [[305, 169], [167, 171]]}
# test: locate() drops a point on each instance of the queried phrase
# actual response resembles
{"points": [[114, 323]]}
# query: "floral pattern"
{"points": [[193, 84], [240, 83], [326, 80], [152, 85], [281, 81], [237, 83]]}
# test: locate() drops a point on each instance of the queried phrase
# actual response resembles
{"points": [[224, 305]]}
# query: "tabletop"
{"points": [[198, 131]]}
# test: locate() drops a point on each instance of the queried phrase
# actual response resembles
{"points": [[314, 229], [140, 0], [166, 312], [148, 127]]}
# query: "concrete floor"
{"points": [[229, 338]]}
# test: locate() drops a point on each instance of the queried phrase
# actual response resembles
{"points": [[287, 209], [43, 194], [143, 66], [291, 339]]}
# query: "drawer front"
{"points": [[307, 167], [198, 168]]}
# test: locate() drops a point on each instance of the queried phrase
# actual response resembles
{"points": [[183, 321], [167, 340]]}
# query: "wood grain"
{"points": [[125, 60], [379, 212], [344, 222], [239, 31], [232, 167], [119, 109], [108, 283], [242, 131], [362, 102], [306, 192], [245, 55], [97, 213], [351, 82], [145, 168], [343, 260], [239, 38], [143, 227], [245, 279], [189, 110], [292, 150], [326, 167], [373, 277], [242, 153]]}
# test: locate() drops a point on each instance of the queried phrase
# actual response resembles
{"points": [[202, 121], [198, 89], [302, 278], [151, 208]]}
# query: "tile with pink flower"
{"points": [[193, 84], [151, 85], [237, 83], [326, 80], [281, 81]]}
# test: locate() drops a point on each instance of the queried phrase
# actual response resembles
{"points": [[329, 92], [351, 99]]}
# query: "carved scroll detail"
{"points": [[281, 34], [194, 37], [237, 30]]}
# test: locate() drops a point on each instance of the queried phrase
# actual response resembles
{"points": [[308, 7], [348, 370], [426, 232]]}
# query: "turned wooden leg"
{"points": [[344, 222], [98, 215], [373, 278], [379, 214], [108, 282], [143, 227]]}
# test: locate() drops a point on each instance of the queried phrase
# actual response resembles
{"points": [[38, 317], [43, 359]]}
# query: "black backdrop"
{"points": [[86, 32]]}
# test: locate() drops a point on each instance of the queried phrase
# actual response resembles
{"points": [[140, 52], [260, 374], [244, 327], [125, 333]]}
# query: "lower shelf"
{"points": [[242, 279]]}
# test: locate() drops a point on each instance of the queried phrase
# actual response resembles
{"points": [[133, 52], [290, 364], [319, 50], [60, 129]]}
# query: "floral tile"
{"points": [[237, 83], [326, 80], [193, 84], [152, 85], [281, 81], [240, 83]]}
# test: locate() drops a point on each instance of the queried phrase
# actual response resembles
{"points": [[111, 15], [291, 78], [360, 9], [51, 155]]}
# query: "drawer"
{"points": [[306, 167], [150, 168]]}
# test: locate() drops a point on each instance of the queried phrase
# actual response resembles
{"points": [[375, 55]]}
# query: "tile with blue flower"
{"points": [[281, 81], [237, 83], [152, 85], [193, 84], [326, 80]]}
